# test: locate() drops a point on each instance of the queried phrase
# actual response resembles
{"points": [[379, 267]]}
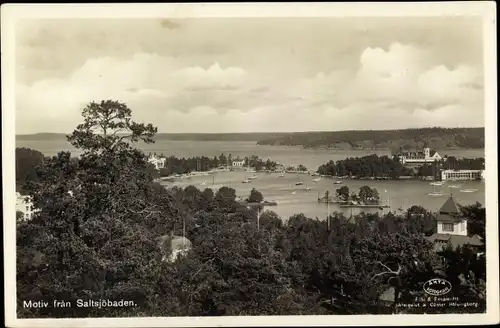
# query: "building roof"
{"points": [[456, 240], [169, 243], [447, 218], [449, 212], [449, 207]]}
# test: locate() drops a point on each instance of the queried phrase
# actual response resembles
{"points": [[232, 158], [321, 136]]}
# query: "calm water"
{"points": [[311, 158], [399, 193], [294, 199]]}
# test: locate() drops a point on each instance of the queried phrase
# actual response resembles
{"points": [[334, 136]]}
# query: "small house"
{"points": [[452, 228], [173, 247]]}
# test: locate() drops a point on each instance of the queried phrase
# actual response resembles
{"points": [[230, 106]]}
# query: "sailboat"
{"points": [[249, 169], [299, 183], [468, 190], [435, 193]]}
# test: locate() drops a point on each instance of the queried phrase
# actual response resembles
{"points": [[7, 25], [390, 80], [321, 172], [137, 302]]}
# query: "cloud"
{"points": [[226, 75], [214, 77]]}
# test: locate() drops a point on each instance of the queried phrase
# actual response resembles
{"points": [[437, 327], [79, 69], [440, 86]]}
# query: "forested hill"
{"points": [[437, 138], [254, 137]]}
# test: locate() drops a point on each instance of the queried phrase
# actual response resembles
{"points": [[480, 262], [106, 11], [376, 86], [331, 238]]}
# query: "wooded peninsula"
{"points": [[435, 138]]}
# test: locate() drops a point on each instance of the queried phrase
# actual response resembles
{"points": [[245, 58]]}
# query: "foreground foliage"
{"points": [[101, 216]]}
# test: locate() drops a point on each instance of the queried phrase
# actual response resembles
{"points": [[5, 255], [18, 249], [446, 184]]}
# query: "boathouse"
{"points": [[452, 229], [461, 175]]}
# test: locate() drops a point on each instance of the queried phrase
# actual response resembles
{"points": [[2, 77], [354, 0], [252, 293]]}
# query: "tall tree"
{"points": [[26, 162], [100, 216]]}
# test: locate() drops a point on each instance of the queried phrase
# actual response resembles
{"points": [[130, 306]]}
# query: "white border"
{"points": [[11, 12]]}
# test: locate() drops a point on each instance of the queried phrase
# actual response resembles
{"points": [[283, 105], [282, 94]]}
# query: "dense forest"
{"points": [[101, 216], [374, 166], [367, 166], [436, 138], [174, 165]]}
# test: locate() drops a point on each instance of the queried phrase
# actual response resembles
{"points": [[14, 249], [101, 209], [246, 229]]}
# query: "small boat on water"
{"points": [[293, 193], [204, 183], [308, 188], [435, 193], [300, 183], [338, 182], [437, 183], [315, 174], [269, 203], [246, 181], [364, 206], [281, 175], [454, 186], [468, 190], [317, 179], [253, 177]]}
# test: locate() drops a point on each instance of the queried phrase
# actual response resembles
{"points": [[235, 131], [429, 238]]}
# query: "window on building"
{"points": [[447, 226]]}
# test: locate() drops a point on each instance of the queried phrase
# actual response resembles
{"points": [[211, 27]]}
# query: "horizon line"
{"points": [[262, 132]]}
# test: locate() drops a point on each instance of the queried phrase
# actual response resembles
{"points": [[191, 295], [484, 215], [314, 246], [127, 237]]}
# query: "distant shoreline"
{"points": [[352, 140]]}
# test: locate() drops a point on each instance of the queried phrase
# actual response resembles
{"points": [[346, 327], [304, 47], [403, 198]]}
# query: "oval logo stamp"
{"points": [[437, 287]]}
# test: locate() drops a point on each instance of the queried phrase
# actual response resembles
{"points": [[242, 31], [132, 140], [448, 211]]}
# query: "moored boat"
{"points": [[468, 190]]}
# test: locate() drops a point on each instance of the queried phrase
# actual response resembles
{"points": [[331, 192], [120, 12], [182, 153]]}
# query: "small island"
{"points": [[366, 198], [255, 199]]}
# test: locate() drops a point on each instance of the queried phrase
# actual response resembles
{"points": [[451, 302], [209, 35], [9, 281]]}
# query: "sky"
{"points": [[218, 75]]}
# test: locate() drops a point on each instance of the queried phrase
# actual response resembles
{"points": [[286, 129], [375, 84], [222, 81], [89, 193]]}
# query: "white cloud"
{"points": [[402, 86]]}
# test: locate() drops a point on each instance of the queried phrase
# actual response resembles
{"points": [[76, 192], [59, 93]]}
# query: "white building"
{"points": [[419, 157], [24, 205], [238, 163], [461, 175], [157, 161], [452, 228]]}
